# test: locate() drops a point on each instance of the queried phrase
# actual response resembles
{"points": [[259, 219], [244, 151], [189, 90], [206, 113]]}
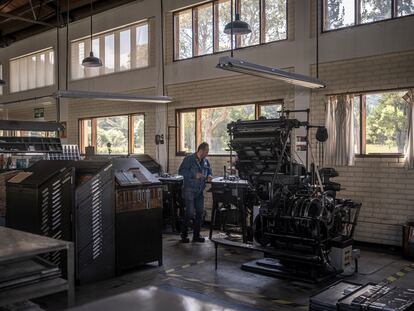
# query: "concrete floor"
{"points": [[191, 267]]}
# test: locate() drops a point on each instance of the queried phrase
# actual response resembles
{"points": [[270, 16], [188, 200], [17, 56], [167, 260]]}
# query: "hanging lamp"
{"points": [[237, 27], [91, 60]]}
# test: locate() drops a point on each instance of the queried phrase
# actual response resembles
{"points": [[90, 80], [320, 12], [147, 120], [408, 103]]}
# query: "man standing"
{"points": [[196, 170]]}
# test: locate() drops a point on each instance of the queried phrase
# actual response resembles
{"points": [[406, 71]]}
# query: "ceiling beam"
{"points": [[26, 20]]}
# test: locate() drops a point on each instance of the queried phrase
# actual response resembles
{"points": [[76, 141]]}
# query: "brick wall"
{"points": [[384, 187], [25, 111], [224, 91], [81, 109]]}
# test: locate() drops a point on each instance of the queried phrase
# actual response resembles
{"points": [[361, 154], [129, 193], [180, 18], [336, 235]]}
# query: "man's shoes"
{"points": [[199, 239], [185, 240]]}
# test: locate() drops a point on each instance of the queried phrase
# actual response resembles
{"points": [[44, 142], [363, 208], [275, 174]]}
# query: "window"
{"points": [[124, 133], [187, 132], [405, 7], [200, 29], [270, 111], [138, 133], [343, 13], [210, 124], [250, 13], [122, 49], [374, 10], [380, 122], [32, 71], [183, 34]]}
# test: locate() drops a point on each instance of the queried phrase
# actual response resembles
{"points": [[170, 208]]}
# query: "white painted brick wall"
{"points": [[383, 185]]}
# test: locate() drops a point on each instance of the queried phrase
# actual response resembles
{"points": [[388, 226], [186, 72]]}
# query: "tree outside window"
{"points": [[125, 134], [200, 29], [381, 122], [209, 124], [343, 13]]}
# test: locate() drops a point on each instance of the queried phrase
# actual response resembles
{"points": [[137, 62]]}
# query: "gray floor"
{"points": [[191, 267]]}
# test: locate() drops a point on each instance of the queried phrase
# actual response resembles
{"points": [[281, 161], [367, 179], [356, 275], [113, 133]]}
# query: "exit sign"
{"points": [[39, 113]]}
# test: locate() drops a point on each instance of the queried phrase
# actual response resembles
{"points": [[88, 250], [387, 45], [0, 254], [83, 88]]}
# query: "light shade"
{"points": [[91, 61], [113, 97], [239, 27], [241, 66]]}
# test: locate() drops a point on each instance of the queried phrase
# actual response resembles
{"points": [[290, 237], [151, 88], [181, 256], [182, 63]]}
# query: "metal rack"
{"points": [[17, 246]]}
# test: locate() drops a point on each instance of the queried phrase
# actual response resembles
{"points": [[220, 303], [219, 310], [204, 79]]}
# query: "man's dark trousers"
{"points": [[194, 201]]}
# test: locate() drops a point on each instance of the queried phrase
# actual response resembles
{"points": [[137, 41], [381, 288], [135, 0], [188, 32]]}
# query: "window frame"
{"points": [[236, 42], [93, 119], [197, 111], [116, 33], [357, 16], [362, 118]]}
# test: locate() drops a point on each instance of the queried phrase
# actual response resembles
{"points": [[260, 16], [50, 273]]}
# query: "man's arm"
{"points": [[185, 169]]}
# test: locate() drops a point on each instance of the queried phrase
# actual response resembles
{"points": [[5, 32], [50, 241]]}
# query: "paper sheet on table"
{"points": [[20, 177]]}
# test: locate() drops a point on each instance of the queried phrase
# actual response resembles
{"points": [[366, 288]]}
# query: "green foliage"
{"points": [[275, 20], [374, 10], [405, 7], [214, 124], [387, 120], [336, 14], [113, 130]]}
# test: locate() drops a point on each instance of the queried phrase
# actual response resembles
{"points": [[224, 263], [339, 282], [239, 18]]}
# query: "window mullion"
{"points": [[262, 20], [357, 12], [94, 133], [363, 123], [194, 17], [117, 51], [133, 52], [131, 134], [102, 53]]}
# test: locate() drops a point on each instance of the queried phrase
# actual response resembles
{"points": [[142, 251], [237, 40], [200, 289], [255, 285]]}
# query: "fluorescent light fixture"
{"points": [[241, 66], [114, 97]]}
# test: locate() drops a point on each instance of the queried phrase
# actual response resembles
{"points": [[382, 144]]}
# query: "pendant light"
{"points": [[91, 60], [237, 27]]}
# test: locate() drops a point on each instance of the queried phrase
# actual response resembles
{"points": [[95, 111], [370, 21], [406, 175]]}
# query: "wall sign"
{"points": [[39, 113]]}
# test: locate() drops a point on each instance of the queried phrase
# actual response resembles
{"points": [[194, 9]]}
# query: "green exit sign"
{"points": [[39, 113]]}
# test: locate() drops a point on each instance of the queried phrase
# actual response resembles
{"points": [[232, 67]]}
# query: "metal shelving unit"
{"points": [[18, 246]]}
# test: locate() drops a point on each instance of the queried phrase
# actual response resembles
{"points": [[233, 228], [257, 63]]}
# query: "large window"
{"points": [[200, 30], [344, 13], [210, 124], [123, 49], [116, 134], [380, 121], [32, 71]]}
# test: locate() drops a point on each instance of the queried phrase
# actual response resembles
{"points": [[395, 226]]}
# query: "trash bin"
{"points": [[408, 240]]}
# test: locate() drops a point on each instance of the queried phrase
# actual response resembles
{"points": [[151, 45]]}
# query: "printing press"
{"points": [[301, 223]]}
